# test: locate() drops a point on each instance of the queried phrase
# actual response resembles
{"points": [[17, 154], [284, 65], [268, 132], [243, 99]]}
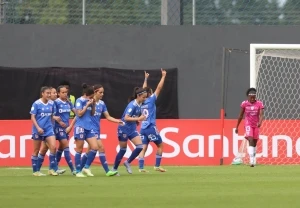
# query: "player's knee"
{"points": [[123, 145], [101, 148], [35, 152], [43, 151], [251, 142], [94, 147], [160, 145]]}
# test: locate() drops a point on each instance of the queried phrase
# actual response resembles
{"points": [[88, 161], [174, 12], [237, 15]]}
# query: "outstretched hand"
{"points": [[146, 75], [163, 72]]}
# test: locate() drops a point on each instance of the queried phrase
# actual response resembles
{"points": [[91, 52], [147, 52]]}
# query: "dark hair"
{"points": [[136, 92], [87, 89], [65, 83], [50, 87], [43, 89], [148, 90], [60, 87], [97, 87], [251, 91]]}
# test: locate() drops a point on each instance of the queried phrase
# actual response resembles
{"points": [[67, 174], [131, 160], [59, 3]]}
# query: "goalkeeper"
{"points": [[254, 111]]}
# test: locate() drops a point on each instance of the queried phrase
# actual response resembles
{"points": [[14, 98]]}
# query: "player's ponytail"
{"points": [[136, 91], [133, 96], [87, 90]]}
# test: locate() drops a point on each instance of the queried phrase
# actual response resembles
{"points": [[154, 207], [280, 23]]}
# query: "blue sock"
{"points": [[90, 158], [58, 155], [34, 161], [103, 161], [83, 160], [78, 161], [52, 160], [119, 157], [68, 158], [40, 160], [141, 163], [135, 153], [157, 160]]}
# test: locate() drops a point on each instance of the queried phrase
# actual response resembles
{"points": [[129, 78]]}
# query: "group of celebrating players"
{"points": [[50, 116]]}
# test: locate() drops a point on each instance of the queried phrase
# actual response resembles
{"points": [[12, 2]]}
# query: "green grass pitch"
{"points": [[203, 187]]}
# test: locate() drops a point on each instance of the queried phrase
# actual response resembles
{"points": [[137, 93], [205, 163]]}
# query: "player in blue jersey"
{"points": [[149, 132], [42, 111], [130, 117], [44, 146], [100, 109], [83, 131], [62, 127]]}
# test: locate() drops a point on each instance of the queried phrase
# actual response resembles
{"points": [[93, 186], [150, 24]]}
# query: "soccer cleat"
{"points": [[80, 175], [38, 174], [61, 171], [251, 165], [128, 168], [87, 172], [41, 174], [160, 169], [111, 173], [52, 172], [118, 174], [143, 171], [74, 172]]}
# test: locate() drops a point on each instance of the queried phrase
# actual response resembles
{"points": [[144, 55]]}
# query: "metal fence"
{"points": [[151, 12]]}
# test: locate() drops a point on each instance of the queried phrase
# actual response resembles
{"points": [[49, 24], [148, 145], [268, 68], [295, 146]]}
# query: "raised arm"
{"points": [[145, 80], [161, 82]]}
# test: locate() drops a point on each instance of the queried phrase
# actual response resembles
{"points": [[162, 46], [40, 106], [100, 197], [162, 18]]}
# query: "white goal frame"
{"points": [[254, 47]]}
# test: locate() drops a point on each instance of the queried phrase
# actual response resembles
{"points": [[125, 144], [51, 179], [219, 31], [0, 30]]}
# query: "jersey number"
{"points": [[146, 113], [248, 128]]}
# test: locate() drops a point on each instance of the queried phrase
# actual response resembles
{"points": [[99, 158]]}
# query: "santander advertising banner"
{"points": [[186, 142]]}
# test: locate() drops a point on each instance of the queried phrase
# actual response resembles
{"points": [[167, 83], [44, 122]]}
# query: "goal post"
{"points": [[275, 73]]}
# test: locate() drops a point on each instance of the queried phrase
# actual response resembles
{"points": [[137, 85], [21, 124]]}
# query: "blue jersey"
{"points": [[43, 115], [85, 120], [149, 110], [63, 109], [133, 110], [99, 109]]}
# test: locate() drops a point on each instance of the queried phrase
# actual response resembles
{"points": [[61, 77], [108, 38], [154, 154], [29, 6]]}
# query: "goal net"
{"points": [[275, 73]]}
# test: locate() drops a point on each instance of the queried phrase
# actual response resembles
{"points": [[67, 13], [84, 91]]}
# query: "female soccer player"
{"points": [[149, 132], [130, 117], [254, 114], [99, 110], [41, 112], [62, 128], [85, 110], [44, 146]]}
